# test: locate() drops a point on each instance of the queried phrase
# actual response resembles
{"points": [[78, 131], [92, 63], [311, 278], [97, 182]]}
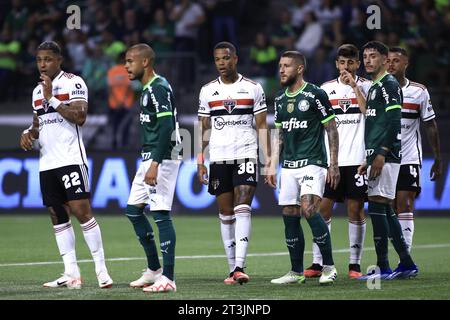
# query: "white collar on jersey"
{"points": [[406, 83], [240, 76]]}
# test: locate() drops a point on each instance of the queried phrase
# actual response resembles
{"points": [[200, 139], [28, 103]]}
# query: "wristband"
{"points": [[200, 158], [54, 102]]}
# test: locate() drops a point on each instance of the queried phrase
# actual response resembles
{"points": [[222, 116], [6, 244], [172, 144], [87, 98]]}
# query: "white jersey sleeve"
{"points": [[426, 108], [77, 90], [203, 107], [260, 100]]}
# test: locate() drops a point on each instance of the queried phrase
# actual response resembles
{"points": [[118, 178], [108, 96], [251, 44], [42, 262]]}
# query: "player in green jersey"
{"points": [[302, 112], [383, 145], [154, 183]]}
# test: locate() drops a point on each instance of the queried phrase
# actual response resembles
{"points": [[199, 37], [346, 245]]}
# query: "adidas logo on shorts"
{"points": [[250, 179], [79, 190]]}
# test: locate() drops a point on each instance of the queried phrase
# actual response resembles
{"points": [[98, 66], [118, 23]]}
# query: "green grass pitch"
{"points": [[29, 257]]}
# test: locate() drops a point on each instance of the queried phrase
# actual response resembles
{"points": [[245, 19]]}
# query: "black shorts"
{"points": [[64, 184], [409, 178], [351, 185], [224, 176]]}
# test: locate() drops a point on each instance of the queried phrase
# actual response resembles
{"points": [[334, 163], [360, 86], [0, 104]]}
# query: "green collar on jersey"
{"points": [[150, 82], [291, 95], [379, 79]]}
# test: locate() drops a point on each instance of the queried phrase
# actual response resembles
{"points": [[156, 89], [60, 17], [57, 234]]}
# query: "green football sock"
{"points": [[397, 239], [322, 237], [167, 240], [295, 241], [380, 233], [144, 232]]}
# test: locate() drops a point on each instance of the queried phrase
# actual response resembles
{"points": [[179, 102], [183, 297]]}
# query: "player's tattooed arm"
{"points": [[433, 138], [277, 146], [333, 175], [75, 112]]}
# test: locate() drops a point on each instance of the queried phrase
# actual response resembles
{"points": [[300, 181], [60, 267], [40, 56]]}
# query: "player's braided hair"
{"points": [[50, 45]]}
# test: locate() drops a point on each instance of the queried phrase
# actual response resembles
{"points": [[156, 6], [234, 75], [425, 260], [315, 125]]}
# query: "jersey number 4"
{"points": [[248, 167], [73, 180]]}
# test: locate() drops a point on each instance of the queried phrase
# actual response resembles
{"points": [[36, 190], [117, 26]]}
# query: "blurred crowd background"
{"points": [[183, 34]]}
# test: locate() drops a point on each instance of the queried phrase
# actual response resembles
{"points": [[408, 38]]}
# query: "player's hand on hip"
{"points": [[47, 86], [376, 167], [333, 176], [202, 174], [151, 174], [436, 170], [26, 141]]}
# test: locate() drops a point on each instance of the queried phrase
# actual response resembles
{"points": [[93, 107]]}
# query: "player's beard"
{"points": [[139, 75], [289, 81]]}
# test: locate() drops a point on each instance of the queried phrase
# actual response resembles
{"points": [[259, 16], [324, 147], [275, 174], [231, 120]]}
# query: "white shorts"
{"points": [[295, 183], [385, 184], [159, 197]]}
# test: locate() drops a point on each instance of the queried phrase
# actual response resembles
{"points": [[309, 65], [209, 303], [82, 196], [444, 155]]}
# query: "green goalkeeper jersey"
{"points": [[158, 120], [301, 116], [383, 119]]}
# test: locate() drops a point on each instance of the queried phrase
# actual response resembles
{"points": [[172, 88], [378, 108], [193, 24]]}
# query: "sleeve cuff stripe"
{"points": [[328, 119], [260, 110], [430, 117], [397, 106], [277, 124], [163, 114]]}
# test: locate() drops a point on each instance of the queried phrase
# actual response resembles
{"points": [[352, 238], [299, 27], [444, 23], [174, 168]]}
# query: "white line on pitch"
{"points": [[269, 254]]}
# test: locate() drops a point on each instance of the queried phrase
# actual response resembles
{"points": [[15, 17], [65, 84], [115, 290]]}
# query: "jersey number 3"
{"points": [[73, 180]]}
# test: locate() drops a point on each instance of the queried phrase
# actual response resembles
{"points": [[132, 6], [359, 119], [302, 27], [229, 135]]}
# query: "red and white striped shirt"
{"points": [[60, 141], [416, 106], [232, 108]]}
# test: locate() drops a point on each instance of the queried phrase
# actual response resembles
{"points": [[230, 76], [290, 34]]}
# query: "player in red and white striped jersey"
{"points": [[60, 109], [347, 96], [416, 108], [227, 107]]}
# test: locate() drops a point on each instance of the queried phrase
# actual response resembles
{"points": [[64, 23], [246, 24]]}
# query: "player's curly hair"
{"points": [[50, 45]]}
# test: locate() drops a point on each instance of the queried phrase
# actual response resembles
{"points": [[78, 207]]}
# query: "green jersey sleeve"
{"points": [[160, 96], [324, 108]]}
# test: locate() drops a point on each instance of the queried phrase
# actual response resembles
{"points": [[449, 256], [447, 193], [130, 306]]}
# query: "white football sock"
{"points": [[317, 256], [93, 237], [243, 230], [229, 242], [356, 236], [406, 220], [65, 239]]}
